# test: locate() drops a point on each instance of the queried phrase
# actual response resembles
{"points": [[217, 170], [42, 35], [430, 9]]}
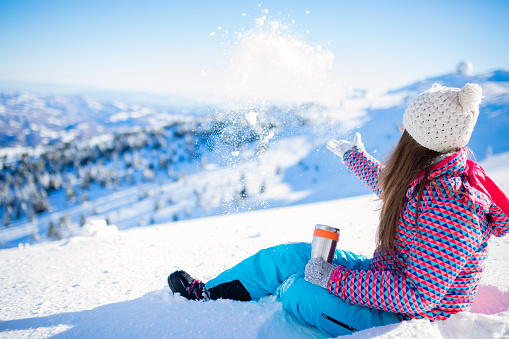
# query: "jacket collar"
{"points": [[456, 162], [477, 178]]}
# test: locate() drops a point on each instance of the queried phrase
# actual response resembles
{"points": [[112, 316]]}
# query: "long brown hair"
{"points": [[403, 166]]}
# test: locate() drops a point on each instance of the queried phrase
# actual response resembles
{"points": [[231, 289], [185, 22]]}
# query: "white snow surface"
{"points": [[112, 284]]}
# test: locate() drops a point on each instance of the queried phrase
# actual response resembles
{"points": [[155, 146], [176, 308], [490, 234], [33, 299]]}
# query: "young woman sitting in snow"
{"points": [[438, 212]]}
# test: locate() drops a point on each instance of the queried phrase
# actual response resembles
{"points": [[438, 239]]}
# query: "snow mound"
{"points": [[98, 228]]}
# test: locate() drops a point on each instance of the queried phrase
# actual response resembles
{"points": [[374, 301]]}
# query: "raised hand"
{"points": [[342, 146]]}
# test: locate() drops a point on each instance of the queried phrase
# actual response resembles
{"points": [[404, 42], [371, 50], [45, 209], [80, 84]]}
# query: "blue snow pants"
{"points": [[279, 271]]}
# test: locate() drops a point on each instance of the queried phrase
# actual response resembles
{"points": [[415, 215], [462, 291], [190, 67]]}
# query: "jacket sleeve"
{"points": [[499, 221], [365, 167], [446, 237]]}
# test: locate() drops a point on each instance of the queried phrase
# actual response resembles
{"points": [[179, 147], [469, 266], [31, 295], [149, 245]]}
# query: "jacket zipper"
{"points": [[337, 322]]}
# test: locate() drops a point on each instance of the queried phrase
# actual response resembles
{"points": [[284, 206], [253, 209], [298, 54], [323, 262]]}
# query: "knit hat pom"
{"points": [[470, 97]]}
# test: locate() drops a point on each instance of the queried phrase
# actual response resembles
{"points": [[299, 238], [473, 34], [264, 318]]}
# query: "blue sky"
{"points": [[168, 46]]}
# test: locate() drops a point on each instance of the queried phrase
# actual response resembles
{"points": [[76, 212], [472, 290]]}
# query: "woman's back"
{"points": [[439, 263]]}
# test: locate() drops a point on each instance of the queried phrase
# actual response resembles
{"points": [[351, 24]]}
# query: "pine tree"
{"points": [[85, 182], [70, 193], [31, 215], [262, 187], [63, 224], [53, 232], [84, 197], [34, 236], [243, 193], [7, 219], [158, 205]]}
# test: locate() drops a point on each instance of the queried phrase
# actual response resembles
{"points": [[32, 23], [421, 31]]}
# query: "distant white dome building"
{"points": [[465, 68]]}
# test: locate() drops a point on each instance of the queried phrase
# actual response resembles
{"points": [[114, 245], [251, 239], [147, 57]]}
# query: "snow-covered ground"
{"points": [[109, 283]]}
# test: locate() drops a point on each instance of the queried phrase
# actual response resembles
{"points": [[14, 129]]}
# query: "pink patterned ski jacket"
{"points": [[436, 267]]}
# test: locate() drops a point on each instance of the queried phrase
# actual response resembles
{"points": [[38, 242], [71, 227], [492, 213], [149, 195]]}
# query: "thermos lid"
{"points": [[327, 228]]}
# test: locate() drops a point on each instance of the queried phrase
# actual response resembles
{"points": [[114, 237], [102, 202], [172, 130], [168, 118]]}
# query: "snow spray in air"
{"points": [[272, 84], [272, 63]]}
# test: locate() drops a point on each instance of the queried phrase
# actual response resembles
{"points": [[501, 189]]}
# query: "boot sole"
{"points": [[171, 279]]}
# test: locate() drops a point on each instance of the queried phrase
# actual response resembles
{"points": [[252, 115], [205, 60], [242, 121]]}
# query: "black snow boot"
{"points": [[193, 289]]}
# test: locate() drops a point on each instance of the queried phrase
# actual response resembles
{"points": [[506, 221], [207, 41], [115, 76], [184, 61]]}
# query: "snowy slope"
{"points": [[110, 283]]}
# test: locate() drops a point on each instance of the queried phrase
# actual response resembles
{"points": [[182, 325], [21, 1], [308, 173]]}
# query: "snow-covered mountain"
{"points": [[154, 164], [33, 119]]}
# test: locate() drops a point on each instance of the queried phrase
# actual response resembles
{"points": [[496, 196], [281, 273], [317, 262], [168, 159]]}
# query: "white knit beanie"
{"points": [[443, 118]]}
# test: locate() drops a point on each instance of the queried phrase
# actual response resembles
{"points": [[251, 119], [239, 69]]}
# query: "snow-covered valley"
{"points": [[171, 165]]}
